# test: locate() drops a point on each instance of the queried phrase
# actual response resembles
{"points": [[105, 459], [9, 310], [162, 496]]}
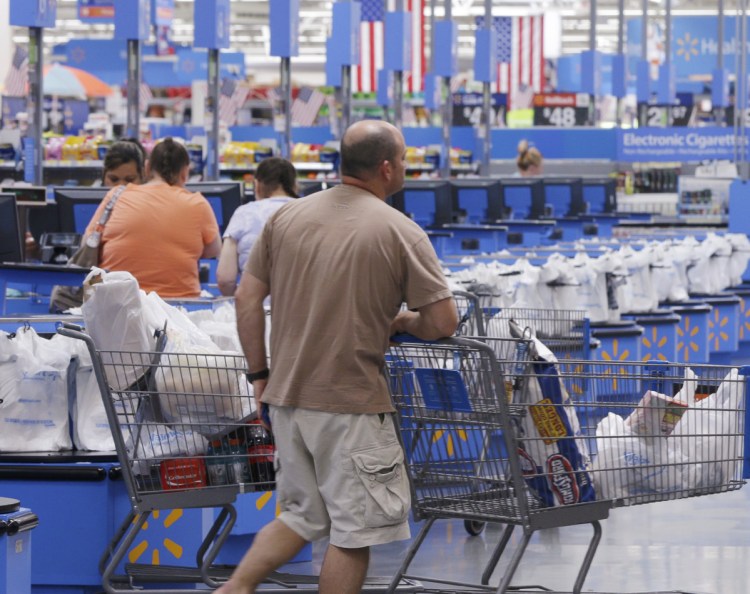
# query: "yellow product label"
{"points": [[509, 391], [547, 421]]}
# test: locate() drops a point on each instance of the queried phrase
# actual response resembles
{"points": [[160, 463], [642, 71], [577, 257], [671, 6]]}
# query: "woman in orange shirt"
{"points": [[159, 230]]}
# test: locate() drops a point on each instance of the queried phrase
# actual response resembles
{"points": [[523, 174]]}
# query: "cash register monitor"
{"points": [[76, 206], [224, 198], [11, 247], [600, 195], [27, 195], [477, 201], [563, 196], [428, 203], [522, 198]]}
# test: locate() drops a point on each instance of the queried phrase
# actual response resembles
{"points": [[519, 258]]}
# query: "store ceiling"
{"points": [[250, 32]]}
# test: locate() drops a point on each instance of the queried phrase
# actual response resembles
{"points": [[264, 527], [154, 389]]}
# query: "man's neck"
{"points": [[373, 188]]}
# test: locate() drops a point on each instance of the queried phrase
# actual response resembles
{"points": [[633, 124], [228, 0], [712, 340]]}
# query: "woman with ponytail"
{"points": [[158, 231], [275, 185], [529, 160]]}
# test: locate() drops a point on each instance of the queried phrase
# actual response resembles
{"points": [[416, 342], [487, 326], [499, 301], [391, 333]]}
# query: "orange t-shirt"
{"points": [[157, 233]]}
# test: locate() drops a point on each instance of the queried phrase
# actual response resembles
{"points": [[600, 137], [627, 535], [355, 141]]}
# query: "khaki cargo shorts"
{"points": [[342, 476]]}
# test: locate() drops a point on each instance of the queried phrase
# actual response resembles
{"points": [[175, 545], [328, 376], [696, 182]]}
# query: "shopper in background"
{"points": [[338, 266], [159, 230], [529, 160], [124, 163], [275, 185]]}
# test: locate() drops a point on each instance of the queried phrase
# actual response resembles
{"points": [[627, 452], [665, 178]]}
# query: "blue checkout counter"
{"points": [[16, 523], [81, 500], [45, 275]]}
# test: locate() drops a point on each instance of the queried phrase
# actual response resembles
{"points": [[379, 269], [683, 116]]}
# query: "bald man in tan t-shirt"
{"points": [[338, 264]]}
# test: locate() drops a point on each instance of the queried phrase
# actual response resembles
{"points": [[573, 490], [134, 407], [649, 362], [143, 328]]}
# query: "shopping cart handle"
{"points": [[403, 337]]}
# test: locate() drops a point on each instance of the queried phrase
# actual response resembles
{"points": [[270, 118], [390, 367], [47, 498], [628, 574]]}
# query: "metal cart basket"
{"points": [[537, 445], [180, 425]]}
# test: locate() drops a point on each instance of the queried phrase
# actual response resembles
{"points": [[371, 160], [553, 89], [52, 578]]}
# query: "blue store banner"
{"points": [[107, 59], [675, 144], [695, 45], [162, 12], [96, 11]]}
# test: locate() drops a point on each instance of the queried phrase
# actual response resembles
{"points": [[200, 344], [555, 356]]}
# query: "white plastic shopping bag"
{"points": [[33, 395]]}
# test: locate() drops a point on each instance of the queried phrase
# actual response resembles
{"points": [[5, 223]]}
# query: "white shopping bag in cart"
{"points": [[710, 434], [203, 391], [113, 316], [150, 442], [90, 425], [33, 395]]}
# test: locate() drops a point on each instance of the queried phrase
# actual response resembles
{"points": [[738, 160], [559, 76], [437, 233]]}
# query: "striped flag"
{"points": [[365, 76], [306, 106], [520, 54], [232, 95], [18, 74], [144, 96]]}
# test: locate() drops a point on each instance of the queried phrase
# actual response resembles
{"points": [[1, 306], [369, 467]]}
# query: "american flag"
{"points": [[306, 106], [144, 96], [520, 53], [232, 95], [18, 74], [365, 76]]}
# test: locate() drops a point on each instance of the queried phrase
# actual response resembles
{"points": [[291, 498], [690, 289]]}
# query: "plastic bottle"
{"points": [[238, 467], [216, 464], [260, 454]]}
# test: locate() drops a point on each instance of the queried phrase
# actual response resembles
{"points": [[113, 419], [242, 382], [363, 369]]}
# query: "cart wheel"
{"points": [[474, 527]]}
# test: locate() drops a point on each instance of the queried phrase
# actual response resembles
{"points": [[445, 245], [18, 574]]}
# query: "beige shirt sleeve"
{"points": [[425, 281]]}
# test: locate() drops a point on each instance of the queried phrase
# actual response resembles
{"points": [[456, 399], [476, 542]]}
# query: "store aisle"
{"points": [[699, 545]]}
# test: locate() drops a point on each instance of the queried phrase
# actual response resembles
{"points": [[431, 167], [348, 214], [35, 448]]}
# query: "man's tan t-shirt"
{"points": [[339, 264]]}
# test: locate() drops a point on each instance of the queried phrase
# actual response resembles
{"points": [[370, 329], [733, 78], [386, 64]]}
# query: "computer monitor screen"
{"points": [[307, 187], [27, 195], [563, 196], [76, 206], [224, 198], [426, 202], [477, 201], [600, 195], [11, 247], [522, 198]]}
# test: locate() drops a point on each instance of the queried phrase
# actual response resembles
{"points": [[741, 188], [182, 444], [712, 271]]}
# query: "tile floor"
{"points": [[699, 545]]}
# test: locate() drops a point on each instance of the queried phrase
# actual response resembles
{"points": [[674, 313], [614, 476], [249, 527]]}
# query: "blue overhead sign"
{"points": [[132, 19], [33, 13], [695, 44], [675, 144], [96, 11], [211, 29], [162, 12], [283, 17]]}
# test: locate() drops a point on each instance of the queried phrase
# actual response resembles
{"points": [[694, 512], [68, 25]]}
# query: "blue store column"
{"points": [[446, 66], [485, 71], [211, 19], [16, 523], [133, 25], [283, 17], [345, 38], [36, 16]]}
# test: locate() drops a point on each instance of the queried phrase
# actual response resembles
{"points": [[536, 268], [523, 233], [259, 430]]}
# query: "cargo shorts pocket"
{"points": [[387, 497]]}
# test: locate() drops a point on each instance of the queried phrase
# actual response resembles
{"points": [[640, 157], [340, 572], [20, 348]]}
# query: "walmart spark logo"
{"points": [[449, 443], [654, 344], [686, 342], [716, 334], [745, 322], [687, 47], [171, 546], [613, 357]]}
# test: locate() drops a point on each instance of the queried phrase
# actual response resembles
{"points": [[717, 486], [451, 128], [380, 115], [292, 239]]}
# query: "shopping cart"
{"points": [[174, 420], [487, 441], [186, 436]]}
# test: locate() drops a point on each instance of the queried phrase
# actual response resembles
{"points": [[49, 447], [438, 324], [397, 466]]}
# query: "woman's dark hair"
{"points": [[168, 159], [122, 152], [274, 172]]}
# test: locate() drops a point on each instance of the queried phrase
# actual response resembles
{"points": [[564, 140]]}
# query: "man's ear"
{"points": [[386, 169]]}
